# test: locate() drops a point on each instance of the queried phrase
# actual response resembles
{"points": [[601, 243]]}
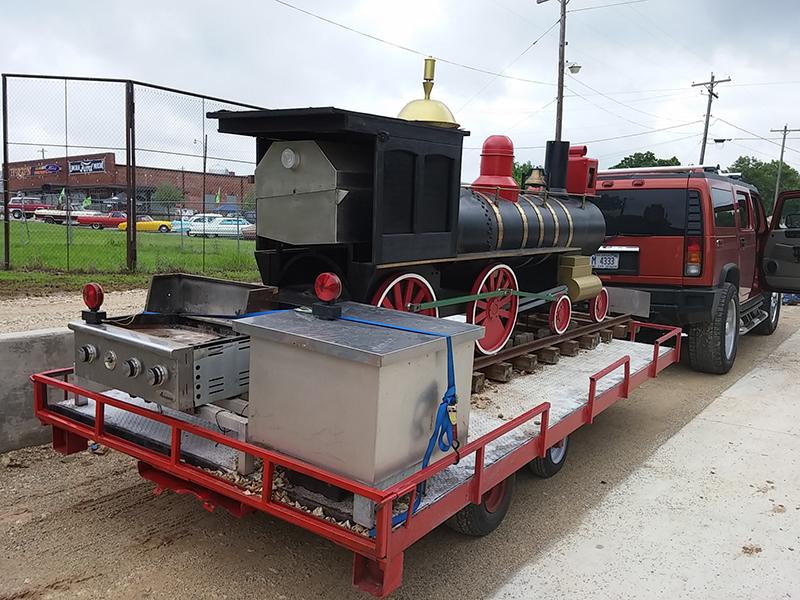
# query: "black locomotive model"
{"points": [[378, 202]]}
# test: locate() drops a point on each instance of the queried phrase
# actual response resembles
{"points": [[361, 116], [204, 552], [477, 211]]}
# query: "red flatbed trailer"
{"points": [[378, 559]]}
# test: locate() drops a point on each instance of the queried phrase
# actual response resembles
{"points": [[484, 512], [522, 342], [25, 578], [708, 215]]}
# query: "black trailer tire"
{"points": [[164, 228], [482, 519], [772, 306], [713, 345], [97, 226], [554, 459]]}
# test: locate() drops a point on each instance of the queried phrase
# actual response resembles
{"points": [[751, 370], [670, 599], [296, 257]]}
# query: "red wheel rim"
{"points": [[598, 306], [560, 314], [406, 288], [497, 314], [494, 497]]}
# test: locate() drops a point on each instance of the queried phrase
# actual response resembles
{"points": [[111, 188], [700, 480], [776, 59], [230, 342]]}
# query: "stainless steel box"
{"points": [[358, 400]]}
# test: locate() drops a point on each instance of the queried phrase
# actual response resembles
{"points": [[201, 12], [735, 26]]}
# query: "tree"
{"points": [[764, 175], [646, 159], [166, 198]]}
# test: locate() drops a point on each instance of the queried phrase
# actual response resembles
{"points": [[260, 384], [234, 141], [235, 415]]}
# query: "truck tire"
{"points": [[482, 519], [97, 226], [554, 459], [713, 345], [50, 220], [772, 306], [16, 213]]}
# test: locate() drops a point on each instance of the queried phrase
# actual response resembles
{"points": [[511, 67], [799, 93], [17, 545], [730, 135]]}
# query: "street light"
{"points": [[561, 43]]}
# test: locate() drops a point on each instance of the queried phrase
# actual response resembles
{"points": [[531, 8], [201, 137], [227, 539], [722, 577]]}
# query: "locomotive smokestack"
{"points": [[556, 161]]}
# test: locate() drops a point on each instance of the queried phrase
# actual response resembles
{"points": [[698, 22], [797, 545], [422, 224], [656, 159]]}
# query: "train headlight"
{"points": [[289, 158]]}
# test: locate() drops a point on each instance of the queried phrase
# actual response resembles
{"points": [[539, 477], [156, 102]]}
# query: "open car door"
{"points": [[781, 260]]}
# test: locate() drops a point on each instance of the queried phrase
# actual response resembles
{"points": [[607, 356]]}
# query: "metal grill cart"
{"points": [[358, 398]]}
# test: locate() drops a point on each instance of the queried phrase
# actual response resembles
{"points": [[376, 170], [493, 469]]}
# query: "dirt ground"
{"points": [[86, 526], [24, 314]]}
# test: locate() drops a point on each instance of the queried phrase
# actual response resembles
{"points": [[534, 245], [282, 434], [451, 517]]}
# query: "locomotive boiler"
{"points": [[378, 201]]}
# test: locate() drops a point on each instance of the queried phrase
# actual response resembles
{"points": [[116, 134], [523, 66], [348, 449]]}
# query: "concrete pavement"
{"points": [[714, 513]]}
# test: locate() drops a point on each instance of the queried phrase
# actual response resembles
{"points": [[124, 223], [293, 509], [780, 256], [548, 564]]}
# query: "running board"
{"points": [[752, 319]]}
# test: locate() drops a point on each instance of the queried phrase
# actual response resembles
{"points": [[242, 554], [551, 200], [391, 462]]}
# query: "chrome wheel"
{"points": [[731, 327]]}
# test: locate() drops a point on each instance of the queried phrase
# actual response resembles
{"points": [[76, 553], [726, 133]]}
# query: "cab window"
{"points": [[724, 212], [743, 203], [790, 215]]}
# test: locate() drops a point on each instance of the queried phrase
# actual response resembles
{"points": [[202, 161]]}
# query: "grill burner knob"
{"points": [[87, 353], [132, 367], [157, 375]]}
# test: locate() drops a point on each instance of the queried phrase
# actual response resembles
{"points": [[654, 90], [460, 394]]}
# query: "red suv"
{"points": [[694, 239]]}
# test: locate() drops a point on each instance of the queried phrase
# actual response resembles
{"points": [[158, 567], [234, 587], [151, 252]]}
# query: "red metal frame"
{"points": [[378, 563]]}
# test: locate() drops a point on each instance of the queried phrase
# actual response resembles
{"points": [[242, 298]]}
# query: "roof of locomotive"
{"points": [[329, 122]]}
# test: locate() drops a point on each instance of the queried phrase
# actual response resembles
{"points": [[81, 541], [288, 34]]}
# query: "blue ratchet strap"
{"points": [[443, 429]]}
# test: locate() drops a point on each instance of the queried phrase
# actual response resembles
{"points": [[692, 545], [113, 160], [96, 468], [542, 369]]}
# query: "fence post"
{"points": [[130, 174], [6, 217]]}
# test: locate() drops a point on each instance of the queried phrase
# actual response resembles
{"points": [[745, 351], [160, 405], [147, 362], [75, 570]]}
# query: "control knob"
{"points": [[87, 353], [157, 375], [132, 367]]}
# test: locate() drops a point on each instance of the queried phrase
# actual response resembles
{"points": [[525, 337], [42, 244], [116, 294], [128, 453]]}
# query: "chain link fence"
{"points": [[104, 175]]}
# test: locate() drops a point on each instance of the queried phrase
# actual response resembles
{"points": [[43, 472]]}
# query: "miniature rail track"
{"points": [[620, 324]]}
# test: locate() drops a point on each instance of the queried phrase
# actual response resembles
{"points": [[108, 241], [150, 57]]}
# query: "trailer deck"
{"points": [[537, 411]]}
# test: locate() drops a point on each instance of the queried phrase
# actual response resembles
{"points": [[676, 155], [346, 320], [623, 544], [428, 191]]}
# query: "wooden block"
{"points": [[520, 339], [499, 371], [478, 381], [549, 355], [621, 332], [569, 348], [543, 333], [509, 343], [589, 341], [526, 362], [606, 335], [530, 337]]}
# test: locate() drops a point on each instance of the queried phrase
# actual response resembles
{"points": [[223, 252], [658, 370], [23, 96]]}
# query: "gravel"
{"points": [[56, 310]]}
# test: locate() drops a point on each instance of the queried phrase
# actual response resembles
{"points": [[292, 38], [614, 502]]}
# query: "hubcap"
{"points": [[494, 497], [774, 302], [730, 328], [557, 452]]}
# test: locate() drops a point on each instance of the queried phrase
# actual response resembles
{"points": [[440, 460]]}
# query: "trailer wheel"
{"points": [[554, 459], [482, 519]]}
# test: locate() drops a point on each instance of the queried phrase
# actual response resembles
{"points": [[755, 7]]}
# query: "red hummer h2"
{"points": [[701, 244]]}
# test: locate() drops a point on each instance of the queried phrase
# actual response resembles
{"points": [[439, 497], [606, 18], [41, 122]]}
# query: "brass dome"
{"points": [[426, 110]]}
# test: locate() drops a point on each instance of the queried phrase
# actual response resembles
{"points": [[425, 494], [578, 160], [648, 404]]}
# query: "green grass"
{"points": [[41, 260]]}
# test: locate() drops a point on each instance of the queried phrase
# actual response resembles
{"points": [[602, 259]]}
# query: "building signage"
{"points": [[23, 172], [82, 167]]}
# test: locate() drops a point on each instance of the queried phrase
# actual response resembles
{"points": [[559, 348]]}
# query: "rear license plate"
{"points": [[607, 260]]}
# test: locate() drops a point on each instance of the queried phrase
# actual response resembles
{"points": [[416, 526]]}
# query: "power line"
{"points": [[417, 52]]}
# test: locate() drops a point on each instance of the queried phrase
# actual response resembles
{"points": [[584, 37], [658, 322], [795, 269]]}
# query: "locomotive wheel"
{"points": [[598, 306], [560, 314], [497, 314], [402, 289]]}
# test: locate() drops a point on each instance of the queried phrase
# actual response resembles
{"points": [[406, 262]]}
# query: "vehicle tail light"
{"points": [[93, 296], [693, 262], [328, 287]]}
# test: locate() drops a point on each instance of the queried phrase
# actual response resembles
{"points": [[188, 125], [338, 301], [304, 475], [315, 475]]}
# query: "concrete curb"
{"points": [[22, 354]]}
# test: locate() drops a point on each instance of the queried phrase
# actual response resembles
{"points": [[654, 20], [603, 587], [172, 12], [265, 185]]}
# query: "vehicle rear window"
{"points": [[643, 212]]}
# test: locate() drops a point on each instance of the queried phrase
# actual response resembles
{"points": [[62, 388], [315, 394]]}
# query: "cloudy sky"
{"points": [[496, 67]]}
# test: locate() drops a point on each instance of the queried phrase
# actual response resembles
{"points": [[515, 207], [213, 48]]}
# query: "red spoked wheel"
{"points": [[497, 314], [598, 306], [402, 289], [560, 314]]}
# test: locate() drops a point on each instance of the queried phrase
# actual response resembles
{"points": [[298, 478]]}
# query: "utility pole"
{"points": [[709, 85], [784, 131]]}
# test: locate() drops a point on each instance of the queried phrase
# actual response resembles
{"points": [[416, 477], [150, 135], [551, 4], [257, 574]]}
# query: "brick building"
{"points": [[99, 176]]}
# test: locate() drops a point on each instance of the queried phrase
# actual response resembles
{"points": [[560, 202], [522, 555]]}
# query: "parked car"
{"points": [[694, 239], [99, 221], [23, 205], [223, 227], [249, 232], [182, 225], [145, 223]]}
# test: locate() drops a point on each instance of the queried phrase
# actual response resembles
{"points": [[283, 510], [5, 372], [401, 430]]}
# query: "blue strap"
{"points": [[443, 429], [233, 317]]}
